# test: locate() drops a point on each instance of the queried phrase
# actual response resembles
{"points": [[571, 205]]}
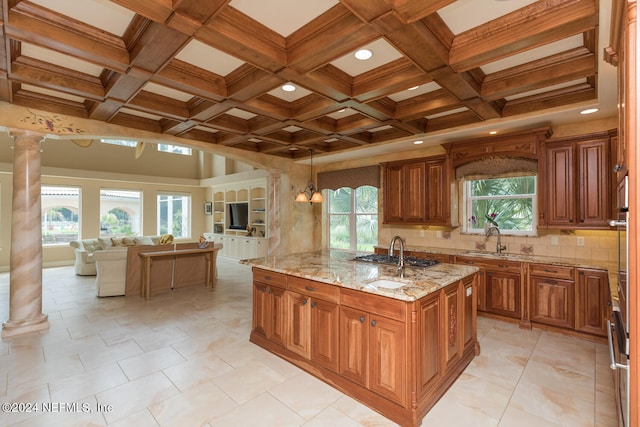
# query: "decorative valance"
{"points": [[496, 166], [352, 178]]}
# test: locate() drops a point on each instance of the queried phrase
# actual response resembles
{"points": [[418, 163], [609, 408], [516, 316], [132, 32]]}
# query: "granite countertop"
{"points": [[338, 268], [610, 266]]}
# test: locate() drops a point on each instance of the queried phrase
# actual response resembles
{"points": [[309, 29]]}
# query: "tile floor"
{"points": [[184, 359]]}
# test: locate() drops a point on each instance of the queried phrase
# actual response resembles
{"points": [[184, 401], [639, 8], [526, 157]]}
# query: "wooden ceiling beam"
{"points": [[31, 24], [242, 37], [540, 23], [185, 77], [563, 67], [335, 33], [38, 73]]}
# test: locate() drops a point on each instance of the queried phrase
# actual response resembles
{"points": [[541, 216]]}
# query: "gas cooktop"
{"points": [[409, 261]]}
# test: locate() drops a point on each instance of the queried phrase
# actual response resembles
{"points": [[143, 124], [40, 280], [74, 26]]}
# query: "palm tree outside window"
{"points": [[509, 203]]}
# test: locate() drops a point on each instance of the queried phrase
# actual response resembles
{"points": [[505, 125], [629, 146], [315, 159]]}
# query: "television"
{"points": [[238, 216]]}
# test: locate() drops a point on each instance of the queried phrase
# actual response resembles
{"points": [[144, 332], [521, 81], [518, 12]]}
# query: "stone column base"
{"points": [[12, 328]]}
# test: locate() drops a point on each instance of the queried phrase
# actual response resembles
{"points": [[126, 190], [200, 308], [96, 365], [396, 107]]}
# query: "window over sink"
{"points": [[507, 202], [353, 218]]}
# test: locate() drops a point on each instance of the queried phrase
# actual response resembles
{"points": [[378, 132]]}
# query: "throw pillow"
{"points": [[129, 241], [143, 241], [166, 239], [117, 241]]}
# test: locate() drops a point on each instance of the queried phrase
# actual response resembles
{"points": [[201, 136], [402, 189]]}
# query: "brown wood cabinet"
{"points": [[269, 305], [552, 295], [592, 301], [417, 192], [500, 285], [398, 357], [503, 293], [312, 322], [576, 176]]}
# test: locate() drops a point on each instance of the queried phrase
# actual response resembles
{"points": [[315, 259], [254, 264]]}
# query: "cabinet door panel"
{"points": [[429, 326], [415, 192], [593, 197], [591, 301], [354, 345], [552, 301], [277, 304], [503, 294], [560, 185], [393, 194], [298, 325], [260, 308], [324, 333], [387, 343], [438, 193]]}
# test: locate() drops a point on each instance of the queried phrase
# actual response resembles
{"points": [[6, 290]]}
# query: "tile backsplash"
{"points": [[597, 245]]}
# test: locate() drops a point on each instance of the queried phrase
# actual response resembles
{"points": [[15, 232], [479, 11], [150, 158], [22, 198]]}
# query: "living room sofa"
{"points": [[84, 249]]}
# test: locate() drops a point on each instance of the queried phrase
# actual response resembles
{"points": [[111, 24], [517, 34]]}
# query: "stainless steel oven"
{"points": [[619, 323]]}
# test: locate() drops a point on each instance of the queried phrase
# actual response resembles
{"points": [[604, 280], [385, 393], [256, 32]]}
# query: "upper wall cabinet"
{"points": [[575, 178], [417, 191]]}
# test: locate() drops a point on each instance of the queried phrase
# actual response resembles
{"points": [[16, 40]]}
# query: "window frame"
{"points": [[140, 224], [189, 216], [467, 202], [353, 220], [79, 214]]}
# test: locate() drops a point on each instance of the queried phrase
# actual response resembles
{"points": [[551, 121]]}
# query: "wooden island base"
{"points": [[397, 357]]}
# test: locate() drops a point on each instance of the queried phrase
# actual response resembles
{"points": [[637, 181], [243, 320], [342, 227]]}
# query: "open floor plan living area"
{"points": [[184, 359]]}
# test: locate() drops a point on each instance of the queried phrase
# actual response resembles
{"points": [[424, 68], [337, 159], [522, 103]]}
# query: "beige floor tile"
{"points": [[263, 410], [85, 384], [133, 396], [152, 361], [196, 371], [193, 407], [249, 382], [305, 394]]}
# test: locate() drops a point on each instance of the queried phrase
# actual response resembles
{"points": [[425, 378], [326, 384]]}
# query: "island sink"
{"points": [[385, 283]]}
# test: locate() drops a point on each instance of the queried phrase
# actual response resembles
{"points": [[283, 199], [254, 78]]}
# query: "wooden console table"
{"points": [[209, 254]]}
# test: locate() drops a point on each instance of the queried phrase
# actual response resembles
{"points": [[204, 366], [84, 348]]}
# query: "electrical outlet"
{"points": [[580, 241], [554, 240], [439, 234], [421, 233]]}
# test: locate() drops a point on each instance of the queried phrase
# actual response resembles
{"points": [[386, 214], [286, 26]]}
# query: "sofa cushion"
{"points": [[129, 241], [117, 241], [144, 241], [105, 242]]}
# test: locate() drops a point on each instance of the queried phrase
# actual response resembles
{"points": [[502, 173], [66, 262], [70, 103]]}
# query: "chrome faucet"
{"points": [[499, 247], [400, 267]]}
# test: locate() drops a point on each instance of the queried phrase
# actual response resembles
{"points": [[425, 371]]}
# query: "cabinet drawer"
{"points": [[549, 270], [374, 304], [314, 289], [270, 277]]}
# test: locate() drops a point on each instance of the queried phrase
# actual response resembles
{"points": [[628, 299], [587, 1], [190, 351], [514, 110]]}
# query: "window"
{"points": [[508, 202], [353, 218], [174, 214], [120, 213], [60, 214], [121, 142], [175, 149]]}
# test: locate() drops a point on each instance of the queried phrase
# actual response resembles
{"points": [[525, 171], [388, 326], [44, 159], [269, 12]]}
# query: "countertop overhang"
{"points": [[338, 268]]}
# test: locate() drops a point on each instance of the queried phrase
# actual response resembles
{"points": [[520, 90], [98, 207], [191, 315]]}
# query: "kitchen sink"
{"points": [[385, 283]]}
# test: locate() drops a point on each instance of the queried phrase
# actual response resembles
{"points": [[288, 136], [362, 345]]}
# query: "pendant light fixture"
{"points": [[310, 194]]}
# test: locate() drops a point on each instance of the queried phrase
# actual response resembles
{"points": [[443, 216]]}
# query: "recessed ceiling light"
{"points": [[293, 148], [288, 87], [493, 132], [342, 110], [363, 54], [413, 88], [589, 111], [418, 142]]}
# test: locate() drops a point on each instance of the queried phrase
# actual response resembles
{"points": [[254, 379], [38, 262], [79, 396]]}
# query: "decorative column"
{"points": [[25, 292]]}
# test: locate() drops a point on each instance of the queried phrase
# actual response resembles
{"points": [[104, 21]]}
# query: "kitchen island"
{"points": [[394, 343]]}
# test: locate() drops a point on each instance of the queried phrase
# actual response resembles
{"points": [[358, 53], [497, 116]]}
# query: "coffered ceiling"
{"points": [[213, 70]]}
